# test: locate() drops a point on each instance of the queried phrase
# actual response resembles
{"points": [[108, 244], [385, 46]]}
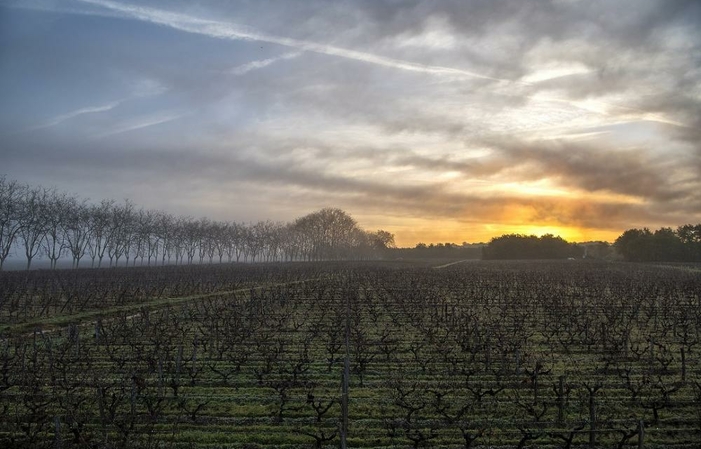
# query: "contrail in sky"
{"points": [[259, 64], [143, 123], [224, 30], [69, 115]]}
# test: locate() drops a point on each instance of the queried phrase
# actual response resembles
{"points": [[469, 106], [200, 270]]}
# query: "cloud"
{"points": [[141, 123], [141, 88], [73, 114], [261, 63], [250, 176], [223, 30], [571, 113]]}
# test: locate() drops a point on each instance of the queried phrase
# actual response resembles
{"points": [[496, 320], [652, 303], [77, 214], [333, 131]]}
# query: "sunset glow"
{"points": [[451, 121]]}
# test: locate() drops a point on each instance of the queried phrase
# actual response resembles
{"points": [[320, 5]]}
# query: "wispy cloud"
{"points": [[261, 63], [223, 30], [140, 123], [523, 87], [73, 114], [141, 89]]}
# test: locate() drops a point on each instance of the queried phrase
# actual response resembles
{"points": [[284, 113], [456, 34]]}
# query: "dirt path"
{"points": [[452, 263], [89, 318]]}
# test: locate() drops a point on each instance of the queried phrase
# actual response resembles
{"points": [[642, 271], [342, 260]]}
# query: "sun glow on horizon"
{"points": [[409, 231], [568, 234]]}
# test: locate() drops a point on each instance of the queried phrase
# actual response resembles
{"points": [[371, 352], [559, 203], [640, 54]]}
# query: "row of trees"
{"points": [[517, 246], [665, 244], [440, 251], [634, 245], [38, 222]]}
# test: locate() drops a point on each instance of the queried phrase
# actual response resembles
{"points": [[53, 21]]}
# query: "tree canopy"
{"points": [[663, 245], [518, 246]]}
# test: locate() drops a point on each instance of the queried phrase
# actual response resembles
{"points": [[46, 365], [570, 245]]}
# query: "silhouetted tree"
{"points": [[517, 246], [11, 193], [664, 245]]}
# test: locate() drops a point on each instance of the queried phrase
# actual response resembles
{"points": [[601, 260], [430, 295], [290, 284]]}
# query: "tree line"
{"points": [[665, 244], [40, 222], [634, 245], [518, 246], [439, 251]]}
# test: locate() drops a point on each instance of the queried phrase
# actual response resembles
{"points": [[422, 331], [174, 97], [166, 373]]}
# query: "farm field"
{"points": [[558, 354]]}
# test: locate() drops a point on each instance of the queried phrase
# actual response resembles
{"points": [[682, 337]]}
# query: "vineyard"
{"points": [[560, 354]]}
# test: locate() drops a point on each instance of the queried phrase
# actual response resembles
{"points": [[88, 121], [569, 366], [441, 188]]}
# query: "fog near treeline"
{"points": [[43, 224]]}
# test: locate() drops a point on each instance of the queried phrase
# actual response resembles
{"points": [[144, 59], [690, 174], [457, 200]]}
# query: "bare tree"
{"points": [[56, 214], [255, 240], [204, 239], [179, 238], [77, 229], [237, 233], [220, 231], [143, 227], [332, 234], [33, 217], [120, 234], [128, 230], [39, 219], [99, 219], [11, 193], [291, 243], [191, 237], [165, 232]]}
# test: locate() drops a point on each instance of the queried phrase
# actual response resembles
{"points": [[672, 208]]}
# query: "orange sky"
{"points": [[415, 230]]}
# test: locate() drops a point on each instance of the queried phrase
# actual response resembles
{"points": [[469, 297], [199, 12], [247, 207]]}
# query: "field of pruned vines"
{"points": [[561, 354]]}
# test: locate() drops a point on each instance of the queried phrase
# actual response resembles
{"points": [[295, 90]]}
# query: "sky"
{"points": [[451, 121]]}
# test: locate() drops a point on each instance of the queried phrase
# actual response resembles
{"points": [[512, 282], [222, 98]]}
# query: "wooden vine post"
{"points": [[561, 400], [346, 379], [592, 413]]}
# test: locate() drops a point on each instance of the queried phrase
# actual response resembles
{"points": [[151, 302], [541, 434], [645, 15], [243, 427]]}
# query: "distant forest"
{"points": [[517, 246], [439, 251], [634, 245], [663, 245]]}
